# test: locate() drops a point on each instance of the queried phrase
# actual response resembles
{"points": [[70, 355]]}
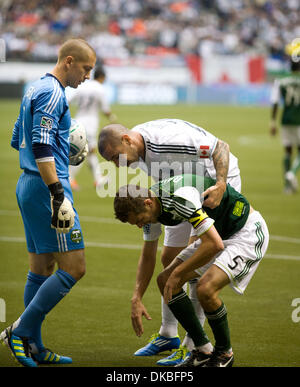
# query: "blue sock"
{"points": [[34, 281], [45, 299]]}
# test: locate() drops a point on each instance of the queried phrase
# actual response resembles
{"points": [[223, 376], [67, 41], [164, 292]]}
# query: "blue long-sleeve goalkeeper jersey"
{"points": [[44, 120]]}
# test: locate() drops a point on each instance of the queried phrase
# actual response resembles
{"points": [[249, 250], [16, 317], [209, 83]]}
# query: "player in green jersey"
{"points": [[288, 89], [226, 247]]}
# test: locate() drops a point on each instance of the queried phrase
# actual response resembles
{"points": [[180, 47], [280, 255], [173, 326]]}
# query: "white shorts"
{"points": [[290, 135], [178, 236], [241, 255]]}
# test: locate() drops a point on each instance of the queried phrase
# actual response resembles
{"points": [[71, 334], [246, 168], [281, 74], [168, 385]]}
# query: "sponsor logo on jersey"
{"points": [[198, 217], [238, 208]]}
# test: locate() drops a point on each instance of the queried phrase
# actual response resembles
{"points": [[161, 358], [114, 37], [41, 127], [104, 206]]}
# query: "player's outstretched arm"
{"points": [[145, 271], [215, 193]]}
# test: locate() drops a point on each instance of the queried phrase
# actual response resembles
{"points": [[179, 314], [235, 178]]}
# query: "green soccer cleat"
{"points": [[177, 357], [48, 357], [18, 346]]}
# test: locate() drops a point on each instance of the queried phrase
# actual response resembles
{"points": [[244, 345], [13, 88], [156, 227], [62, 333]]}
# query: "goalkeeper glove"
{"points": [[79, 157], [63, 214]]}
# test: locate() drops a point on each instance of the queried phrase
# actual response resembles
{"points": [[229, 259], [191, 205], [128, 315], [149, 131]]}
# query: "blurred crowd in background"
{"points": [[33, 30]]}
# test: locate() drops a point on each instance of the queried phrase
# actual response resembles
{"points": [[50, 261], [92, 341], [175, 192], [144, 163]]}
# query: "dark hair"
{"points": [[99, 72], [130, 199], [295, 66]]}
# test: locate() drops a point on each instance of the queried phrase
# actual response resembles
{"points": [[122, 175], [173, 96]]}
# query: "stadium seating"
{"points": [[119, 28]]}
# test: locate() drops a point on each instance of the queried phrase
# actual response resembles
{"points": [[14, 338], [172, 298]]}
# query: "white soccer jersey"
{"points": [[90, 98], [178, 143], [275, 92]]}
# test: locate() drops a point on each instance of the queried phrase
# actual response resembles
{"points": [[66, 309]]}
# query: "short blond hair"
{"points": [[79, 49], [111, 135]]}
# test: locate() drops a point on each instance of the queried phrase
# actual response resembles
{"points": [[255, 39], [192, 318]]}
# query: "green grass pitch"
{"points": [[92, 324]]}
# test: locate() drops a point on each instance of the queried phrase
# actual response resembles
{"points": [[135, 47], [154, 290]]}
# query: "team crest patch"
{"points": [[76, 236], [46, 122]]}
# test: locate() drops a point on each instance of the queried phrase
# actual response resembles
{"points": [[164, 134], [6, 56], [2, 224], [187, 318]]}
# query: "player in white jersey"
{"points": [[163, 148], [91, 99]]}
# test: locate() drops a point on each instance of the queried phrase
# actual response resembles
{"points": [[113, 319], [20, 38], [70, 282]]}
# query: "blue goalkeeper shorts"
{"points": [[33, 198]]}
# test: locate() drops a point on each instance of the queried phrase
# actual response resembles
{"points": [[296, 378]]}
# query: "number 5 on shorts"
{"points": [[235, 260]]}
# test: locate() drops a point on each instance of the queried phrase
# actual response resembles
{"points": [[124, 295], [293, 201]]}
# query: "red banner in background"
{"points": [[194, 64], [256, 69], [239, 70]]}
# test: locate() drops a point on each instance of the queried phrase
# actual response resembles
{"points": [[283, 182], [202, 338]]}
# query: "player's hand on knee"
{"points": [[79, 157], [63, 215]]}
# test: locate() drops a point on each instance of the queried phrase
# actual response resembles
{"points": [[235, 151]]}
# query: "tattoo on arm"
{"points": [[221, 160]]}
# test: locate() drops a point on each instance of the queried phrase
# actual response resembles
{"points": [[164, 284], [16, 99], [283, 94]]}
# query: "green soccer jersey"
{"points": [[289, 88], [180, 200]]}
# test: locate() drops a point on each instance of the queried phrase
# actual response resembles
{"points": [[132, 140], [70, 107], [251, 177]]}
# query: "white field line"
{"points": [[88, 219], [104, 220], [284, 239], [135, 247]]}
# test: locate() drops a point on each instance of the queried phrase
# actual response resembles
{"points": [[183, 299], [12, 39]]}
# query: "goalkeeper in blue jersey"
{"points": [[52, 228]]}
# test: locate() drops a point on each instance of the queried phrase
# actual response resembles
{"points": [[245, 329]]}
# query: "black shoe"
{"points": [[196, 359], [220, 359]]}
